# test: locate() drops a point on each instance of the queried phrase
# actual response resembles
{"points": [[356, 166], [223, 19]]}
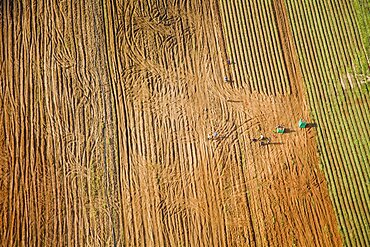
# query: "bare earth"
{"points": [[105, 111]]}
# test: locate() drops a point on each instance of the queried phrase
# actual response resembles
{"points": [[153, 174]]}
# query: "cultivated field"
{"points": [[337, 75], [118, 128], [330, 40]]}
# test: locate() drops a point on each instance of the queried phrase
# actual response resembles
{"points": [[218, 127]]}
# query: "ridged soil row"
{"points": [[186, 209], [54, 128], [265, 218], [252, 42]]}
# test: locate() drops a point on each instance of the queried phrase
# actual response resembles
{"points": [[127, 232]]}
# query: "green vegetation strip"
{"points": [[326, 37]]}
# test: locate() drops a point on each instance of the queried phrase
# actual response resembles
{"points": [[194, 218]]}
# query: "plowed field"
{"points": [[117, 127]]}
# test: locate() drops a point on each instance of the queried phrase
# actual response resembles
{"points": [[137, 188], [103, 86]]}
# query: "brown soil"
{"points": [[106, 108]]}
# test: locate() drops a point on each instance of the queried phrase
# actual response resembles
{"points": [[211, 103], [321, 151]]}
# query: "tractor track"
{"points": [[106, 109]]}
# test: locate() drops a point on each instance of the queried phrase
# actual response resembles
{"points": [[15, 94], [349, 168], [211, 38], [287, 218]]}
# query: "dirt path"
{"points": [[106, 109]]}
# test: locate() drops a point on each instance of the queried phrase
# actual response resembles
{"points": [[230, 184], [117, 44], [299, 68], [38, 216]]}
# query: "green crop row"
{"points": [[330, 37], [327, 41], [362, 16]]}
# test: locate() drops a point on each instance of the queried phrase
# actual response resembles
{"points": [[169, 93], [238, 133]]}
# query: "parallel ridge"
{"points": [[177, 187], [170, 189], [329, 47], [253, 44], [106, 110], [56, 126]]}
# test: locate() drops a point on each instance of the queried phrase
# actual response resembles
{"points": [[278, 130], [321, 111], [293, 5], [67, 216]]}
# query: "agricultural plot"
{"points": [[335, 71], [337, 75], [248, 21], [118, 127]]}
